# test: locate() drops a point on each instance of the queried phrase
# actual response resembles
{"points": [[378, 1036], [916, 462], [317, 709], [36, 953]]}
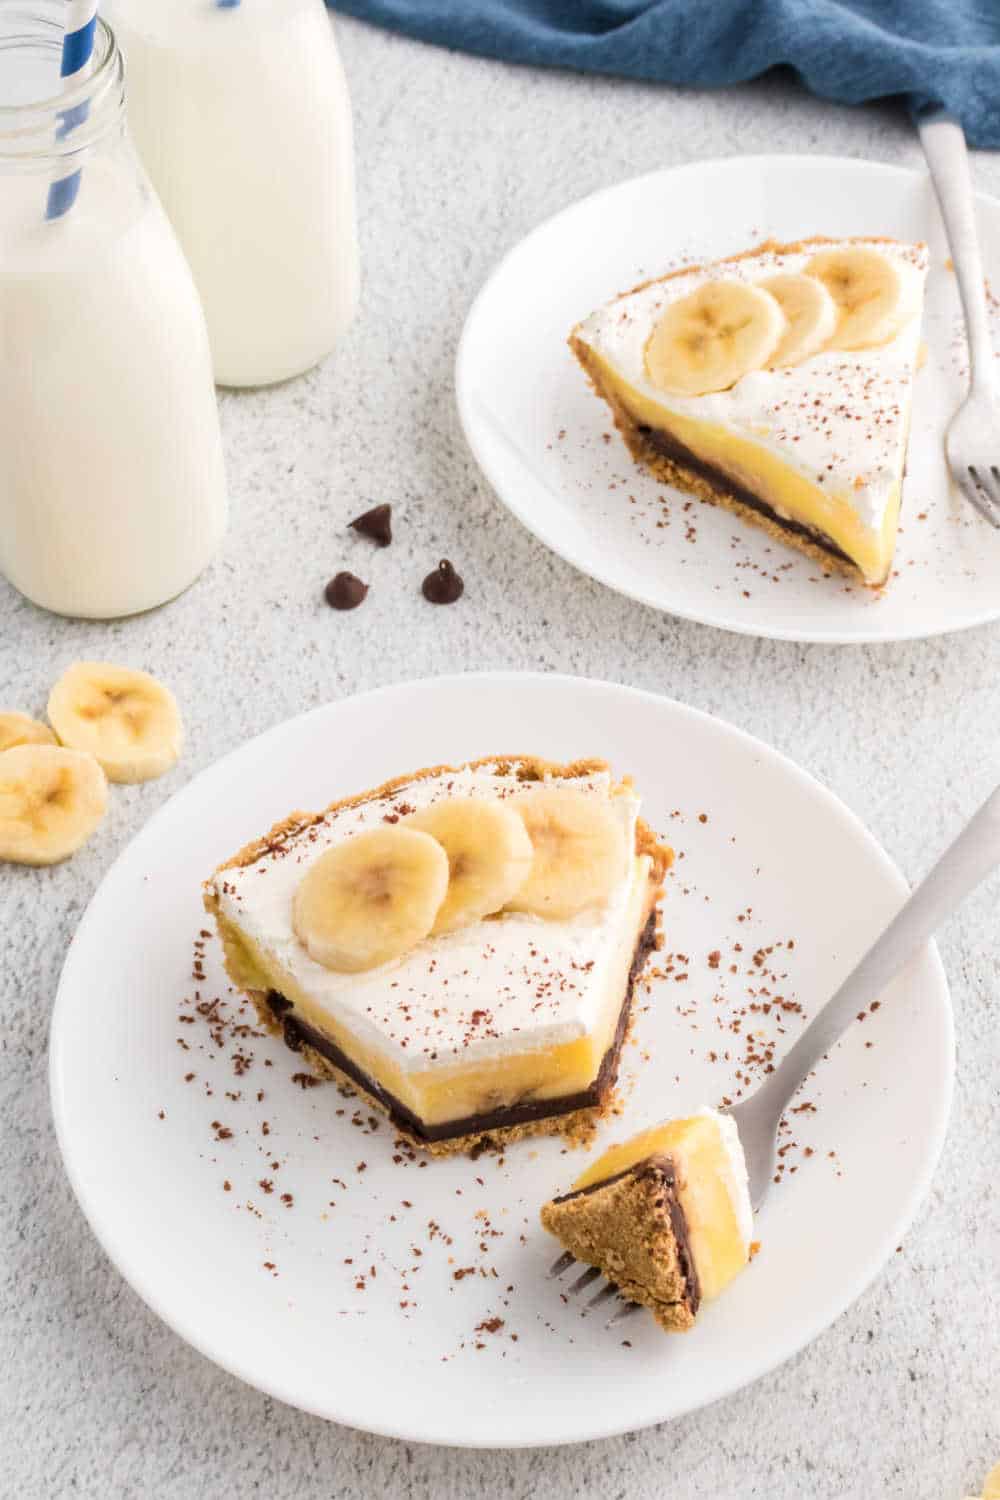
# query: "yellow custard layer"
{"points": [[761, 471], [705, 1190]]}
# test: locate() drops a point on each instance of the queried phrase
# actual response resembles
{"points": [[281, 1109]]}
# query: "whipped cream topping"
{"points": [[499, 986], [839, 418], [738, 1182]]}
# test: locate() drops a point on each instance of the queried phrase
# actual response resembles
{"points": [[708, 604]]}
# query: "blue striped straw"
{"points": [[77, 49]]}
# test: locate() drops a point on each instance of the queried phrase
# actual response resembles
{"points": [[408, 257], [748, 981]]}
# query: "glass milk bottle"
{"points": [[240, 112], [112, 496]]}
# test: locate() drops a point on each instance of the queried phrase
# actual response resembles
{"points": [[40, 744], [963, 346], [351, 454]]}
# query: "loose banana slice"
{"points": [[125, 718], [489, 856], [579, 852], [868, 290], [991, 1486], [21, 729], [713, 337], [51, 800], [810, 313], [370, 898]]}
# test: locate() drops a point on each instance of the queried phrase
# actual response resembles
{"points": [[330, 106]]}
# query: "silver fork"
{"points": [[973, 440], [973, 856]]}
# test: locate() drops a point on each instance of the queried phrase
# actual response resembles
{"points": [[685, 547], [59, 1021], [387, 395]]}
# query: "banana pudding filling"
{"points": [[460, 944], [665, 1216], [777, 384]]}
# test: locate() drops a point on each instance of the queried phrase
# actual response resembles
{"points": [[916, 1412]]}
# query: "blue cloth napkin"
{"points": [[928, 51]]}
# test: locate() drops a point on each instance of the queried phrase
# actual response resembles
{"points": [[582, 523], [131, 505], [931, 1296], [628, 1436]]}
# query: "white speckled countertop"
{"points": [[97, 1397]]}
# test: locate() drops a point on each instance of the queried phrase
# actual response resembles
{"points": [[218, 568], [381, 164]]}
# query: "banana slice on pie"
{"points": [[371, 898], [711, 338], [811, 317], [868, 290], [579, 853], [489, 856]]}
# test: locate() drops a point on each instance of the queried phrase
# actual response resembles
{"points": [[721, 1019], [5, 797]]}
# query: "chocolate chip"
{"points": [[377, 524], [443, 586], [345, 591]]}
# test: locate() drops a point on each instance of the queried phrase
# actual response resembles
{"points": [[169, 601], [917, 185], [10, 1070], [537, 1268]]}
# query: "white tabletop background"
{"points": [[457, 159]]}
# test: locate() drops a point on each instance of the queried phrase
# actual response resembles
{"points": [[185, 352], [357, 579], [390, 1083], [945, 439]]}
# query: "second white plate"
{"points": [[549, 449]]}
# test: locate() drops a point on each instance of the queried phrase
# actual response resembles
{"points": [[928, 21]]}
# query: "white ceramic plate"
{"points": [[266, 1290], [548, 447]]}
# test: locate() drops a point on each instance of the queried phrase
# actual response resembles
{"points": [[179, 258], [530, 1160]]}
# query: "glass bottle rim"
{"points": [[35, 133]]}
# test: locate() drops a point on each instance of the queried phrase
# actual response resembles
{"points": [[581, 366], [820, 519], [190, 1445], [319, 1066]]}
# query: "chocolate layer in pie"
{"points": [[297, 1032], [665, 444]]}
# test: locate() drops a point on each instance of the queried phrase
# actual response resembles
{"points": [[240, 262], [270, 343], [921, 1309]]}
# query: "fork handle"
{"points": [[944, 146], [973, 855]]}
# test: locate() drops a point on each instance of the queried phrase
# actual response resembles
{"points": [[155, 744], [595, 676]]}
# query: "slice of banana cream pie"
{"points": [[461, 944], [666, 1216], [776, 383]]}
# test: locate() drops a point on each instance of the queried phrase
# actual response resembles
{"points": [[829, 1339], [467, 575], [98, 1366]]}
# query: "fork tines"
{"points": [[585, 1279], [982, 487]]}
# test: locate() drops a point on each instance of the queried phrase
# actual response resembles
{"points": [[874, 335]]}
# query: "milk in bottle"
{"points": [[241, 115], [112, 495]]}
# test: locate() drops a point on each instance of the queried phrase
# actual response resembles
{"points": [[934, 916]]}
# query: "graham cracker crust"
{"points": [[633, 1229]]}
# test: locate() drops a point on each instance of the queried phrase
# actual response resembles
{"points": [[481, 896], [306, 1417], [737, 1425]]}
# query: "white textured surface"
{"points": [[457, 159]]}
